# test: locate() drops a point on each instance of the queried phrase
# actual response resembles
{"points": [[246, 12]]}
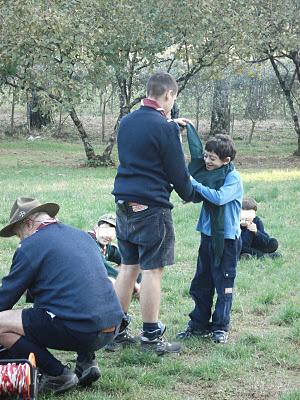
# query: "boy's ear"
{"points": [[169, 94], [227, 160]]}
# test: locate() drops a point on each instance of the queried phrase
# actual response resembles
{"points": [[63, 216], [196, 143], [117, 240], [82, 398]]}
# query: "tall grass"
{"points": [[261, 359]]}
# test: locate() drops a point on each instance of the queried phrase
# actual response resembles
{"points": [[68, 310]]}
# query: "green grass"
{"points": [[261, 359]]}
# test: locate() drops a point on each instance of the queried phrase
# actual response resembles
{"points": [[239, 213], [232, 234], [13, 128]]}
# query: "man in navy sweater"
{"points": [[75, 306], [151, 165]]}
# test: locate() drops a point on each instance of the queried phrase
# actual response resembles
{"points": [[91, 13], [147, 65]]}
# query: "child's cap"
{"points": [[107, 218], [249, 204]]}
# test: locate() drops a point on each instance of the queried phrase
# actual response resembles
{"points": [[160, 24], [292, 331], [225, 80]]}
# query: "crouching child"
{"points": [[256, 242]]}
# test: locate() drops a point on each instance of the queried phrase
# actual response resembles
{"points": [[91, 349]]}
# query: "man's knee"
{"points": [[154, 273], [11, 321], [7, 340]]}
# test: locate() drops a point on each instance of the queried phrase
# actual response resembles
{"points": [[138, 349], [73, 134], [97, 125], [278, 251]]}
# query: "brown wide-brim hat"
{"points": [[22, 208]]}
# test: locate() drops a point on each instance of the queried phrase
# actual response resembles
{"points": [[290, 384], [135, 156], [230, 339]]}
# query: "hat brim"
{"points": [[50, 208], [107, 221]]}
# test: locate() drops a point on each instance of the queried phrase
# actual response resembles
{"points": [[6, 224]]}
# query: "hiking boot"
{"points": [[123, 339], [246, 256], [155, 341], [87, 372], [276, 254], [58, 384], [219, 336], [189, 333]]}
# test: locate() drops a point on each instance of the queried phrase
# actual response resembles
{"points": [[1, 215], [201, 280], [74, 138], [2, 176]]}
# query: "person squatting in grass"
{"points": [[104, 233], [255, 240], [220, 186], [75, 306], [151, 165]]}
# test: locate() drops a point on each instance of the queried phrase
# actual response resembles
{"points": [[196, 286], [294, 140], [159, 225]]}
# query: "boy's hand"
{"points": [[252, 227]]}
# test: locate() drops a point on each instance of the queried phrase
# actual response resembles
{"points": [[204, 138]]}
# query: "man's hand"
{"points": [[182, 121], [252, 227]]}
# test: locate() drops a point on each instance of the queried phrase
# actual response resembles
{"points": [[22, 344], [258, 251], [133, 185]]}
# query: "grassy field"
{"points": [[261, 359]]}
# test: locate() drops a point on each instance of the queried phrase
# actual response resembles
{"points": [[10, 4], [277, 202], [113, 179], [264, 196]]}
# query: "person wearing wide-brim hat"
{"points": [[24, 207], [75, 306]]}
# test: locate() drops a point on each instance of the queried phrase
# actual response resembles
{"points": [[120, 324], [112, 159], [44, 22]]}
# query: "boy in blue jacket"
{"points": [[221, 188]]}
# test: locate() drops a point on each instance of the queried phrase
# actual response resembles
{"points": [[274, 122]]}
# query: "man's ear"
{"points": [[227, 160]]}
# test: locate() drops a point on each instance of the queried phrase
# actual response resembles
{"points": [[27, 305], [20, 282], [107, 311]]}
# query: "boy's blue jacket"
{"points": [[222, 192], [151, 160]]}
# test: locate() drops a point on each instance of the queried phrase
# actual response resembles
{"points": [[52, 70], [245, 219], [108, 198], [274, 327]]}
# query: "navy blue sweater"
{"points": [[151, 160], [64, 272], [258, 241]]}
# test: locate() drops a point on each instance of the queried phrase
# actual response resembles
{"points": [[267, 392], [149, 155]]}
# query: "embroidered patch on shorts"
{"points": [[228, 290]]}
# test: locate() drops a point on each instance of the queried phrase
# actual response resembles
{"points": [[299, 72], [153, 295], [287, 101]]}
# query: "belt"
{"points": [[109, 330], [136, 207]]}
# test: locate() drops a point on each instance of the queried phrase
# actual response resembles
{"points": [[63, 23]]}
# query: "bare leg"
{"points": [[150, 294], [125, 284], [9, 339], [11, 322]]}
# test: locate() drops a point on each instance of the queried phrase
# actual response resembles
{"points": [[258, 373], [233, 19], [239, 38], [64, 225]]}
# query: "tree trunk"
{"points": [[287, 93], [37, 117], [89, 151], [220, 118], [12, 117], [125, 106], [253, 123], [93, 159], [59, 123], [197, 113], [103, 115], [232, 124]]}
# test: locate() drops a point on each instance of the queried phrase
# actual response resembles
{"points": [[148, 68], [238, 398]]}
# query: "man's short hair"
{"points": [[222, 145], [249, 204], [160, 83]]}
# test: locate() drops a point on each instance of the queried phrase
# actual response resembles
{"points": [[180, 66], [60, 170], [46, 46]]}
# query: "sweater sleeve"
{"points": [[228, 192], [174, 164], [16, 282], [261, 238]]}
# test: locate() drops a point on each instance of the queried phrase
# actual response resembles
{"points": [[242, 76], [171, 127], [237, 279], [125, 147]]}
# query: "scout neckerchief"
{"points": [[47, 222], [153, 104]]}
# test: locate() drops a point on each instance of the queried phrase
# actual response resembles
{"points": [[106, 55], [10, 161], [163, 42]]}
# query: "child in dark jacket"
{"points": [[104, 233], [255, 240]]}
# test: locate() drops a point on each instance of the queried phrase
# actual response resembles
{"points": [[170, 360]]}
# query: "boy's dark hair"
{"points": [[159, 83], [222, 145], [249, 204]]}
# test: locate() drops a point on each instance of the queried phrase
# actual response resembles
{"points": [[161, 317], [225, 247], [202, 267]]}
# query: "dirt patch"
{"points": [[263, 385], [270, 162]]}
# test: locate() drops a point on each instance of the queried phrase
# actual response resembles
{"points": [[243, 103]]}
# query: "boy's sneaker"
{"points": [[87, 372], [189, 333], [219, 336], [154, 341], [58, 384], [123, 339]]}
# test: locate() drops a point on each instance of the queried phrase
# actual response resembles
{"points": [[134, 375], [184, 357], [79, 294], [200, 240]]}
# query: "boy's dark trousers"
{"points": [[210, 278]]}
